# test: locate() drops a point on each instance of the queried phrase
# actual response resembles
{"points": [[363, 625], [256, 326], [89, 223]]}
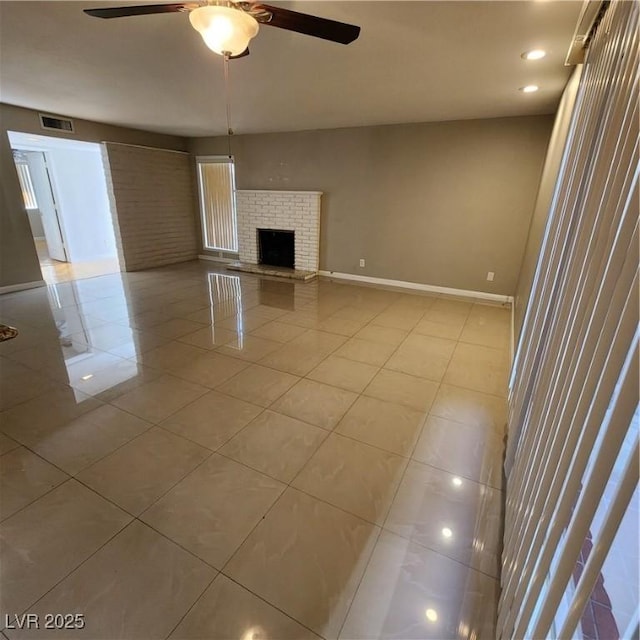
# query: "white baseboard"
{"points": [[513, 331], [416, 286], [22, 286], [216, 259]]}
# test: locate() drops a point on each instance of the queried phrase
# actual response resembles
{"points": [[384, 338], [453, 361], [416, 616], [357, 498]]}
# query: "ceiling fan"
{"points": [[228, 26]]}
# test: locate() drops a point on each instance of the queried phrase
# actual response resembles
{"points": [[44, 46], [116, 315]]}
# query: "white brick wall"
{"points": [[297, 211], [151, 194]]}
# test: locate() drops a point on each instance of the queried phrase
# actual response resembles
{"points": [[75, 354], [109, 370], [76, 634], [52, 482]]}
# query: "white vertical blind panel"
{"points": [[589, 497], [567, 472], [562, 344], [574, 385], [28, 193], [603, 543], [217, 204]]}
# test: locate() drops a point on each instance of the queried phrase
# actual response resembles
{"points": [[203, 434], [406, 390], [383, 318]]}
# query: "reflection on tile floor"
{"points": [[192, 453]]}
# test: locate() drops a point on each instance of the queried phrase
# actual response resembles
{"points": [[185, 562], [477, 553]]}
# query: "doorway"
{"points": [[66, 199], [39, 200]]}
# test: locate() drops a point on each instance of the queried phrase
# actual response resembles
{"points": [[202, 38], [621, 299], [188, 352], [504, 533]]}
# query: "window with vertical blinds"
{"points": [[216, 187], [572, 457]]}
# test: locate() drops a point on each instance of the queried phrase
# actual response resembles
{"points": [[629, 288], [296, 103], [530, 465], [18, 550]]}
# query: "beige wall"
{"points": [[151, 191], [545, 195], [435, 203], [18, 259]]}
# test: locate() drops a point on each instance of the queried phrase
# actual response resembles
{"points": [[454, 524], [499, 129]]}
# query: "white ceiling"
{"points": [[414, 61]]}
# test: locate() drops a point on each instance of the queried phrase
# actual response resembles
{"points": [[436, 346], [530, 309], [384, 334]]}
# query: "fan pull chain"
{"points": [[227, 93]]}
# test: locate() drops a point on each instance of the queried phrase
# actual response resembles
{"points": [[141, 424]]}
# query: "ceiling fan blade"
{"points": [[307, 24], [139, 10]]}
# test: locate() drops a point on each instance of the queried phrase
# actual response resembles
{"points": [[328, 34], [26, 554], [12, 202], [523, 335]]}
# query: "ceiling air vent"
{"points": [[53, 123]]}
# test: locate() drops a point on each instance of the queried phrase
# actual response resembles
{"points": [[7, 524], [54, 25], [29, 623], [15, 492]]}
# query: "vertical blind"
{"points": [[26, 185], [572, 458], [216, 186]]}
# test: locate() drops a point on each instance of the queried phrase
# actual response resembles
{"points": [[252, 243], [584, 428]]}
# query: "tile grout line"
{"points": [[379, 528], [118, 532], [46, 493], [228, 577], [359, 394], [383, 526], [195, 602]]}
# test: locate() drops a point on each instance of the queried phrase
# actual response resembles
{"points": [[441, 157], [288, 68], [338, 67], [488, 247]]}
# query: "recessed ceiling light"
{"points": [[534, 54], [447, 533], [456, 482], [432, 615], [530, 88]]}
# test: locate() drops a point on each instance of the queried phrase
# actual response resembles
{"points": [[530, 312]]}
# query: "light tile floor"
{"points": [[193, 453], [54, 271]]}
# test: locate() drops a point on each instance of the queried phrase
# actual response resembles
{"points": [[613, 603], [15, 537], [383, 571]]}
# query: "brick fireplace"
{"points": [[296, 211]]}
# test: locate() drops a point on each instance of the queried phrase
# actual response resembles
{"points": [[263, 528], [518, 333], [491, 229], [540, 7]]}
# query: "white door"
{"points": [[46, 203]]}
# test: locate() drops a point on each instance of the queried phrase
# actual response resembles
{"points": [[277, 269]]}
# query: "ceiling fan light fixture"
{"points": [[224, 30]]}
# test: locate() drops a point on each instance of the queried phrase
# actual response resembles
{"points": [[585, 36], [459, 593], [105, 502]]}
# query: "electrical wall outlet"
{"points": [[490, 276], [362, 262]]}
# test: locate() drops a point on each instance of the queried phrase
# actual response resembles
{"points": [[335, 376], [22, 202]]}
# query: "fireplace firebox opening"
{"points": [[276, 248]]}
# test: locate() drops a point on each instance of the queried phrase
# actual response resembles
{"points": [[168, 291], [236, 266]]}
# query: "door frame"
{"points": [[50, 169], [56, 200]]}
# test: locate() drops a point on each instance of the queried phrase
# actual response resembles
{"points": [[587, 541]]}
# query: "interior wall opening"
{"points": [[66, 199]]}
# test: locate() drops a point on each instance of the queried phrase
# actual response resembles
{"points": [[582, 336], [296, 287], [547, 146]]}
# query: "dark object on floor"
{"points": [[7, 332]]}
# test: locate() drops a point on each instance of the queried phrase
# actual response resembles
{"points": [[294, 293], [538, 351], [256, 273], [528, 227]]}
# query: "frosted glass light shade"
{"points": [[224, 29]]}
